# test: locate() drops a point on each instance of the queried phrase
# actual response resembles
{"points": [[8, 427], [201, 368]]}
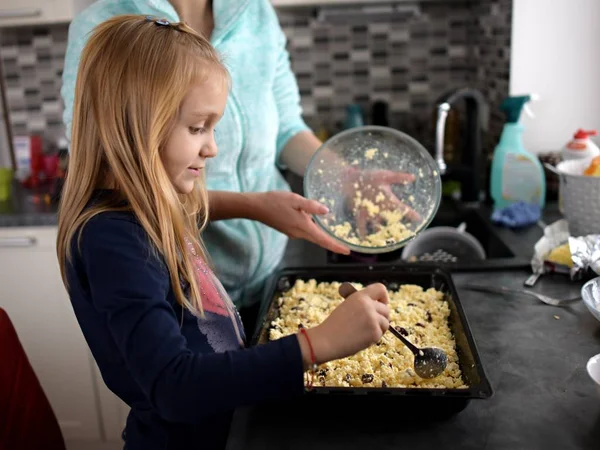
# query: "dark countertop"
{"points": [[27, 209], [536, 363], [534, 356]]}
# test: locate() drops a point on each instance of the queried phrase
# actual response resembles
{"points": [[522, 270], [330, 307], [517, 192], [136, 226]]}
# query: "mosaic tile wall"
{"points": [[492, 53], [407, 61], [406, 58], [32, 59]]}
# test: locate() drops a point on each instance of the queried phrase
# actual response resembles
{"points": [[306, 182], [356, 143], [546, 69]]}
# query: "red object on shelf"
{"points": [[26, 417], [51, 166], [37, 161]]}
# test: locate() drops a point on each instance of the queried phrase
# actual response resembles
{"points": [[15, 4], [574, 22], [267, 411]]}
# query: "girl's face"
{"points": [[192, 139]]}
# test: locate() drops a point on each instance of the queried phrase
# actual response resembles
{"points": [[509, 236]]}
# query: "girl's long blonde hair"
{"points": [[133, 76]]}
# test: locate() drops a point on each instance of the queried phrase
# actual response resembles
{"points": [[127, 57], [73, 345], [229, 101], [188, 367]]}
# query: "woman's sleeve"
{"points": [[79, 30], [287, 96]]}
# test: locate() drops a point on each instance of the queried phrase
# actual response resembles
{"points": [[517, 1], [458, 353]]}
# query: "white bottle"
{"points": [[581, 147]]}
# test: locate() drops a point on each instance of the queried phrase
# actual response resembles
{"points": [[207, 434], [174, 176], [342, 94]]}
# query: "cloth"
{"points": [[517, 215]]}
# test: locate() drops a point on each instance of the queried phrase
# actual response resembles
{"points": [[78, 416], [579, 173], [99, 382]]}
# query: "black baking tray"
{"points": [[415, 400]]}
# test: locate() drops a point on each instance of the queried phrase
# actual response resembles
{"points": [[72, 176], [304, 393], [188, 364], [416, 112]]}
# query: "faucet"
{"points": [[469, 172]]}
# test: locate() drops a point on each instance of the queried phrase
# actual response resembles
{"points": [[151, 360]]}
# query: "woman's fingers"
{"points": [[309, 206], [313, 233]]}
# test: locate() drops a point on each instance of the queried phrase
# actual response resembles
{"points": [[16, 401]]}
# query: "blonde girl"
{"points": [[164, 333]]}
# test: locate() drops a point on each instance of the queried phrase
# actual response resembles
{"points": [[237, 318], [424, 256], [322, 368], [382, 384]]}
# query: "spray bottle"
{"points": [[517, 175]]}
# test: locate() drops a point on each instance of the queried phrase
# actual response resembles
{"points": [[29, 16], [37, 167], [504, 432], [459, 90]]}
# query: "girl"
{"points": [[162, 329], [262, 127]]}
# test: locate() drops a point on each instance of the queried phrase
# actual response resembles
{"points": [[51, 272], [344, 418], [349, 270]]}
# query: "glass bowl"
{"points": [[381, 186], [590, 293], [593, 369]]}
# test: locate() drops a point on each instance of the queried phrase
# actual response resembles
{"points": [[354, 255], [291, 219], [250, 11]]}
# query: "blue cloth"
{"points": [[182, 377], [263, 112], [518, 215]]}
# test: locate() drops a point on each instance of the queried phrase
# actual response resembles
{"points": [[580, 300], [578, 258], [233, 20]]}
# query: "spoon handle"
{"points": [[405, 341], [347, 289]]}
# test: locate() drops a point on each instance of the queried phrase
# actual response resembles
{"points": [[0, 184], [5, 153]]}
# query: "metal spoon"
{"points": [[429, 362]]}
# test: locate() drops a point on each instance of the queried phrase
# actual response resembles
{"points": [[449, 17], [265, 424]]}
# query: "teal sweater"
{"points": [[263, 112]]}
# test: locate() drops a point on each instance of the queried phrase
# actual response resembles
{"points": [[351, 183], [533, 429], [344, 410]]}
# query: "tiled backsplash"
{"points": [[492, 55], [33, 59], [407, 59]]}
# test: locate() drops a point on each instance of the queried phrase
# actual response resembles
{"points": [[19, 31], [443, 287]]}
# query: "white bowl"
{"points": [[593, 370], [574, 167], [590, 293]]}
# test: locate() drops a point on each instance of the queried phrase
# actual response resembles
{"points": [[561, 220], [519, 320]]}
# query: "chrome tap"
{"points": [[469, 171], [440, 127]]}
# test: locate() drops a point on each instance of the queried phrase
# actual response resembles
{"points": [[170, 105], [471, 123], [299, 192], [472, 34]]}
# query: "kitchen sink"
{"points": [[497, 252], [479, 227]]}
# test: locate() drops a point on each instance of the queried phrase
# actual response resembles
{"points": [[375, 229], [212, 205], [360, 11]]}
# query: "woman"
{"points": [[261, 129]]}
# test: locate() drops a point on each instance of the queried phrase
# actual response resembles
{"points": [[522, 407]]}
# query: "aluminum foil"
{"points": [[555, 235], [585, 252]]}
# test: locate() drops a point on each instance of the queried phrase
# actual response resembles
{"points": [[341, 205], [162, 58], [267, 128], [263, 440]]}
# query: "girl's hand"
{"points": [[358, 322], [290, 214]]}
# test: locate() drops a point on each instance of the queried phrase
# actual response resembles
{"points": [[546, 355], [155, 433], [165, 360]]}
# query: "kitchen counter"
{"points": [[25, 209], [534, 356]]}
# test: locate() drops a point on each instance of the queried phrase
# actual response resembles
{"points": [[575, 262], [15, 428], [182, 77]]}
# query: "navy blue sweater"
{"points": [[181, 375]]}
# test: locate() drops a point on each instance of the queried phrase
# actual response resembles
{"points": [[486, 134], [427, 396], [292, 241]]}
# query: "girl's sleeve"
{"points": [[129, 285]]}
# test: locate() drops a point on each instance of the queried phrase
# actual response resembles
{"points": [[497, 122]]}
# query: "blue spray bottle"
{"points": [[517, 175]]}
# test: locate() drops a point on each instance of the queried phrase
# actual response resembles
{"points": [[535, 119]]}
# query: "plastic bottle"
{"points": [[581, 147], [517, 175], [354, 117]]}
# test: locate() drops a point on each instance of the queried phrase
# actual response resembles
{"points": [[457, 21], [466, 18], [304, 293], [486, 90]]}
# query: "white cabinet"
{"points": [[29, 12], [113, 412], [284, 3], [33, 12], [32, 293]]}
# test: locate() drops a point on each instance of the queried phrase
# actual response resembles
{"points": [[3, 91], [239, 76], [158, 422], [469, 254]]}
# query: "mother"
{"points": [[262, 129]]}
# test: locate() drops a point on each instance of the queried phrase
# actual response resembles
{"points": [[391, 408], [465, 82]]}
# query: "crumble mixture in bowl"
{"points": [[381, 187]]}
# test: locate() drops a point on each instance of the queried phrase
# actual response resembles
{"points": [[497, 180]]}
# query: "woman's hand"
{"points": [[357, 323], [291, 214], [376, 187]]}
